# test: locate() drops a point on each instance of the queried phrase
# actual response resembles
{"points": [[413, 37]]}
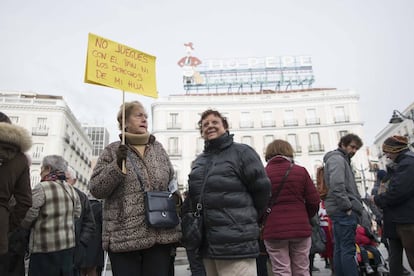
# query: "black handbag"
{"points": [[192, 229], [160, 209], [192, 224], [318, 236]]}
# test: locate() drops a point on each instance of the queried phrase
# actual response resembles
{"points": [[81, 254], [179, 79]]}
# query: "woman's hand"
{"points": [[121, 155]]}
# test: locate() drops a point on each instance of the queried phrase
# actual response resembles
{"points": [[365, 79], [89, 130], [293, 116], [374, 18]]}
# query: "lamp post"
{"points": [[363, 179], [398, 117]]}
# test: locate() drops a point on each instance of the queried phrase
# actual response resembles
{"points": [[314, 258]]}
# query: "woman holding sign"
{"points": [[134, 247]]}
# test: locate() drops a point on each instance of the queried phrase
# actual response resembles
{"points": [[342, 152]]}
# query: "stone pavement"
{"points": [[181, 264]]}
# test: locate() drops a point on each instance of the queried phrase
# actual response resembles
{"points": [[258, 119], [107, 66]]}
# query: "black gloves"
{"points": [[121, 155]]}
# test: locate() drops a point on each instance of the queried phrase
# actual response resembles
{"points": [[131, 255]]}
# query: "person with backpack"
{"points": [[343, 203]]}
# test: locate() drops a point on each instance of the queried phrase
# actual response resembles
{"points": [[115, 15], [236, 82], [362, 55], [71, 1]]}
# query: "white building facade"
{"points": [[54, 130], [405, 128], [312, 120]]}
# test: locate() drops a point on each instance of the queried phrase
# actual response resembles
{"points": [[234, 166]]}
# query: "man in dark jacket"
{"points": [[84, 225], [235, 190], [343, 203], [14, 187], [398, 200]]}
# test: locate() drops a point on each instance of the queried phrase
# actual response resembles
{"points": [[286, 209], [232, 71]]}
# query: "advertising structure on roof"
{"points": [[245, 74]]}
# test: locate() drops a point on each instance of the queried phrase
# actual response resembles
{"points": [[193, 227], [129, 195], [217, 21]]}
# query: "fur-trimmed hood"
{"points": [[13, 135]]}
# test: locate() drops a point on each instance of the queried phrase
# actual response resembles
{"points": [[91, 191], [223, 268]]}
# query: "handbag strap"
{"points": [[199, 205], [274, 197], [136, 170]]}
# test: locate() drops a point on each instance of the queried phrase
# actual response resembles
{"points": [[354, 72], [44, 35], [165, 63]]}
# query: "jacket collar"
{"points": [[219, 143]]}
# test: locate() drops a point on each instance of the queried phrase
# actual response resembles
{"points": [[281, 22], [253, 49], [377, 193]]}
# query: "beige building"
{"points": [[312, 120], [54, 130]]}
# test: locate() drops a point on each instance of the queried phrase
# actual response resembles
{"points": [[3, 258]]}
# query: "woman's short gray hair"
{"points": [[55, 163]]}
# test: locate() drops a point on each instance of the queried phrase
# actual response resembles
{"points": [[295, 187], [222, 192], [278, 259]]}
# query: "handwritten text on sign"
{"points": [[115, 65]]}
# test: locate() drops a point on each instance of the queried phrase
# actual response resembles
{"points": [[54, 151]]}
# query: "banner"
{"points": [[111, 64]]}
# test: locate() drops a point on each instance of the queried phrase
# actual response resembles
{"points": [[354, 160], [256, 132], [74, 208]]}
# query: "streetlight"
{"points": [[363, 178], [398, 117]]}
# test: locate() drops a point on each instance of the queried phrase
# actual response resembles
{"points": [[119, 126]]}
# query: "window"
{"points": [[41, 123], [248, 140], [245, 120], [34, 177], [173, 146], [290, 118], [340, 116], [173, 121], [342, 133], [293, 141], [41, 128], [315, 143], [311, 117], [37, 153], [267, 119]]}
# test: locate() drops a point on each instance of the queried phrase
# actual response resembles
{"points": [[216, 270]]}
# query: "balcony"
{"points": [[341, 119], [316, 148], [313, 121], [298, 149], [36, 160], [40, 131], [246, 124], [173, 125], [268, 123], [290, 122]]}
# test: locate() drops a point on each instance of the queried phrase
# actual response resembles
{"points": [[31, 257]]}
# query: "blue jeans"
{"points": [[344, 227]]}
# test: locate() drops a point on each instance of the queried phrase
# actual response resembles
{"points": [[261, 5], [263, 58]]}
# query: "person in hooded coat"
{"points": [[15, 191]]}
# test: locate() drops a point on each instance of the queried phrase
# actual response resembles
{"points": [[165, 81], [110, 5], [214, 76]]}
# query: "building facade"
{"points": [[99, 136], [404, 128], [54, 130], [311, 120]]}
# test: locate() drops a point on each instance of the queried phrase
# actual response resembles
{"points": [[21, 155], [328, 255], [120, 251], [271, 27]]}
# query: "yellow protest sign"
{"points": [[115, 65]]}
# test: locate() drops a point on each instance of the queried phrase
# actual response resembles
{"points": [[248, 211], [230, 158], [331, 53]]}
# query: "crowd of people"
{"points": [[256, 219]]}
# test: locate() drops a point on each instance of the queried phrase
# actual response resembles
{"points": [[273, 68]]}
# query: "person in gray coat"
{"points": [[343, 203]]}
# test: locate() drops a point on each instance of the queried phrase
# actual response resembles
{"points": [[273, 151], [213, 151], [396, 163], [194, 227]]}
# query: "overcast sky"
{"points": [[364, 45]]}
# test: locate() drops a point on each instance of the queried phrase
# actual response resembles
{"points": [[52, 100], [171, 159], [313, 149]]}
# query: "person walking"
{"points": [[235, 191], [287, 231], [15, 195], [343, 203], [51, 220], [134, 247], [398, 202]]}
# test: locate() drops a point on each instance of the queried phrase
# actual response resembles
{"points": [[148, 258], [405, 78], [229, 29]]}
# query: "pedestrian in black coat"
{"points": [[84, 226]]}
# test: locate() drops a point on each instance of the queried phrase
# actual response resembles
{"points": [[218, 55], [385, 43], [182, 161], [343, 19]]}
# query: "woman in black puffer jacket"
{"points": [[236, 190]]}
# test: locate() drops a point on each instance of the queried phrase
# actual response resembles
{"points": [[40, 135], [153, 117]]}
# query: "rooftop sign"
{"points": [[246, 74]]}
